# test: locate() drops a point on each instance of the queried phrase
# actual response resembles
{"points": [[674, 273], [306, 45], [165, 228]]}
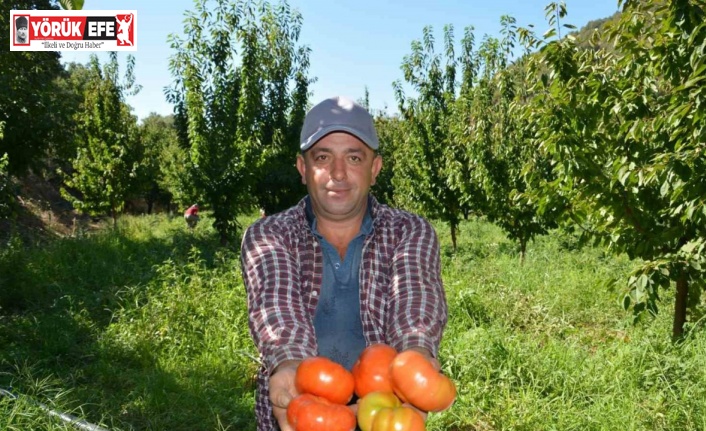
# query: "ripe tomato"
{"points": [[416, 382], [311, 413], [324, 378], [372, 369], [372, 403], [398, 418]]}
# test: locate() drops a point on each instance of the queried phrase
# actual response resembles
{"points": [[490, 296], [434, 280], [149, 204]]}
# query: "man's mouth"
{"points": [[337, 191]]}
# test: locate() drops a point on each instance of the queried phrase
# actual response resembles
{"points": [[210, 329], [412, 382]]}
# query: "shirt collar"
{"points": [[365, 228]]}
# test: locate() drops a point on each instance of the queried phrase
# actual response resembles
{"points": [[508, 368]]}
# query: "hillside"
{"points": [[42, 213], [585, 34]]}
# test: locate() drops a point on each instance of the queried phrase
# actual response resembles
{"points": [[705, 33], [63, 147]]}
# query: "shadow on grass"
{"points": [[55, 306], [89, 270], [137, 392]]}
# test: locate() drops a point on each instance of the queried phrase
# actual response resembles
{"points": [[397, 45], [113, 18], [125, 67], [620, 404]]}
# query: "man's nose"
{"points": [[338, 170]]}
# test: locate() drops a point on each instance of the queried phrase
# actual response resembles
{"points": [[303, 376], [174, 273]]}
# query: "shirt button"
{"points": [[314, 293], [338, 265]]}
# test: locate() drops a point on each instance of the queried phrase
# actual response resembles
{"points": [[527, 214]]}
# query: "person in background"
{"points": [[191, 215], [339, 271]]}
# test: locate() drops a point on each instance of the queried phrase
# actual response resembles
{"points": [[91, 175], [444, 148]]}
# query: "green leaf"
{"points": [[642, 281], [691, 83], [71, 4], [549, 33], [664, 189]]}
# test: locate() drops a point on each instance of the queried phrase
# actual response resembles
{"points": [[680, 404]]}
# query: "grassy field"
{"points": [[145, 328]]}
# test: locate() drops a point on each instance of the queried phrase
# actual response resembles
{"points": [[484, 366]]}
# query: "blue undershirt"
{"points": [[339, 330]]}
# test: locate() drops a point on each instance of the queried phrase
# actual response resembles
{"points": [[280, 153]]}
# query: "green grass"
{"points": [[145, 328], [546, 346]]}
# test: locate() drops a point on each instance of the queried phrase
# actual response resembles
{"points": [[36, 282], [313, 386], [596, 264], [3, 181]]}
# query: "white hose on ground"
{"points": [[70, 419]]}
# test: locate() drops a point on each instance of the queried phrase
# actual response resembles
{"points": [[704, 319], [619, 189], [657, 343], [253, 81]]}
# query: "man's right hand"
{"points": [[282, 391]]}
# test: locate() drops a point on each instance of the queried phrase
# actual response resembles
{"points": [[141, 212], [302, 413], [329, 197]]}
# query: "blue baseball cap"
{"points": [[338, 114]]}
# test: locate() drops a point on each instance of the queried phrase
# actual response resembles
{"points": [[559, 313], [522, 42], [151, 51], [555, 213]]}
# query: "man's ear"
{"points": [[377, 166], [301, 167]]}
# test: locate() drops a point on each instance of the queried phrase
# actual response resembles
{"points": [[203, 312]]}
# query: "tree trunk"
{"points": [[152, 199], [680, 307], [523, 250], [453, 235]]}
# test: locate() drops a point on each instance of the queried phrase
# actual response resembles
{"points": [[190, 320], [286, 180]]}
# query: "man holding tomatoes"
{"points": [[339, 271]]}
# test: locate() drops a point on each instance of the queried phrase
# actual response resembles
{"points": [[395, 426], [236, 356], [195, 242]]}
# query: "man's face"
{"points": [[338, 172], [22, 32]]}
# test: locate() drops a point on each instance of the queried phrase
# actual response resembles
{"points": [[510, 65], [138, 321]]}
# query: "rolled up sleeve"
{"points": [[279, 321], [417, 310]]}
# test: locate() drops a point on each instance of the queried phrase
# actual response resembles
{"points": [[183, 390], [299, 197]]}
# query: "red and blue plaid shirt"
{"points": [[402, 299]]}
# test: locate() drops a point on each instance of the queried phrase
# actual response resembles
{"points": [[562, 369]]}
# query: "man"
{"points": [[338, 271], [191, 215], [21, 31]]}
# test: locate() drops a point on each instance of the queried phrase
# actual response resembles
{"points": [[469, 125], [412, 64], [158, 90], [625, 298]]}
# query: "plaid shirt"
{"points": [[402, 298]]}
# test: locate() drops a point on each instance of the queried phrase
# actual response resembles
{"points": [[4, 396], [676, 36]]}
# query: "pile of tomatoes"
{"points": [[386, 383]]}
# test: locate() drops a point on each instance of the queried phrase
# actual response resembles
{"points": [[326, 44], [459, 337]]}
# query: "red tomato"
{"points": [[398, 419], [311, 413], [372, 403], [324, 378], [296, 405], [416, 382], [372, 369]]}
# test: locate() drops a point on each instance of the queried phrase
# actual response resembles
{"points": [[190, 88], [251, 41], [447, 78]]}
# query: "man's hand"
{"points": [[282, 391]]}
